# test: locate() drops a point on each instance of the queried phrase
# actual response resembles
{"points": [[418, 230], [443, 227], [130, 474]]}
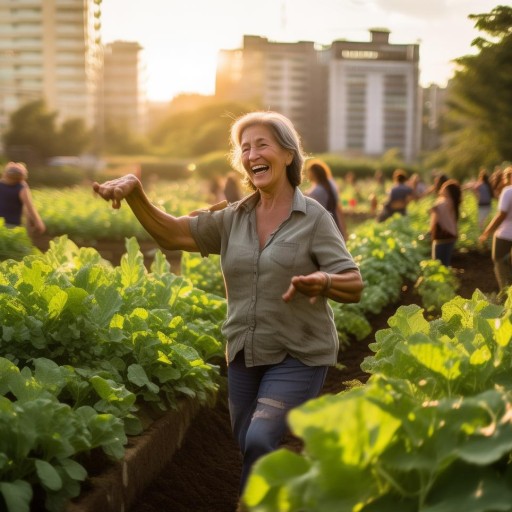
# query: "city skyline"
{"points": [[181, 40]]}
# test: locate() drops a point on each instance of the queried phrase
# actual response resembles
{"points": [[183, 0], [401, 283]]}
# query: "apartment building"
{"points": [[124, 86], [434, 104], [358, 98], [50, 49]]}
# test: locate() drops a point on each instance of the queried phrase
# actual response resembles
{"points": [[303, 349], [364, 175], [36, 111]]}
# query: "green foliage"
{"points": [[430, 431], [118, 139], [33, 126], [199, 131], [213, 164], [436, 285], [40, 437], [204, 273], [478, 121], [75, 212], [83, 345], [14, 242]]}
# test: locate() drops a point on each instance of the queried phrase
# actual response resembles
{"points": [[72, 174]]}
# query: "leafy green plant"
{"points": [[40, 437], [430, 431], [436, 285], [205, 273], [14, 242]]}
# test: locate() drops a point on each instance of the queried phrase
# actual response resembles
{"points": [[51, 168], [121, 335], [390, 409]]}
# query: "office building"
{"points": [[285, 77], [354, 98]]}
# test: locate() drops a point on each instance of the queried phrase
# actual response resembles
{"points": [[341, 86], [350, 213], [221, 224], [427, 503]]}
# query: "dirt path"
{"points": [[203, 475]]}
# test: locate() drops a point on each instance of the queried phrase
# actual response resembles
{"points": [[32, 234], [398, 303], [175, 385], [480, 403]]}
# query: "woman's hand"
{"points": [[344, 287], [312, 285], [118, 189]]}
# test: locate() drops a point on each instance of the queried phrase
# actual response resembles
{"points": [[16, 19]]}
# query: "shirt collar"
{"points": [[250, 202]]}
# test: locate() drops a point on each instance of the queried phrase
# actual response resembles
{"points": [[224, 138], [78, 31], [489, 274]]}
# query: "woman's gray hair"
{"points": [[285, 134]]}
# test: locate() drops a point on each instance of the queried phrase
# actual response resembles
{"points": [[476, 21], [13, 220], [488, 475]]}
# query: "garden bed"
{"points": [[203, 475], [117, 488]]}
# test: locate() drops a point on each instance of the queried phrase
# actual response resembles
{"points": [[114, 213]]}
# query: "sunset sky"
{"points": [[181, 39]]}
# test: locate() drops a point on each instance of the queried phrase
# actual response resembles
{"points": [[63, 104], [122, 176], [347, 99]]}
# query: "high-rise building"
{"points": [[434, 103], [51, 50], [374, 97], [359, 98], [278, 76], [124, 86]]}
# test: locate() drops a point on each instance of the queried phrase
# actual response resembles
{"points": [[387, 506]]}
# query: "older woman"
{"points": [[282, 258]]}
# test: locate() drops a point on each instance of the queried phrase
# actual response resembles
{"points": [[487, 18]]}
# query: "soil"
{"points": [[203, 475]]}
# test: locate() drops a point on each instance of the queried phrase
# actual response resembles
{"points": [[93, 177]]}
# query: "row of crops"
{"points": [[89, 349]]}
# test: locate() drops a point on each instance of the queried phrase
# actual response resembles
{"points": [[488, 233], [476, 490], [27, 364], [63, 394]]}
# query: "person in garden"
{"points": [[282, 258], [325, 191], [444, 216], [501, 225], [232, 188], [399, 197], [16, 199], [484, 193]]}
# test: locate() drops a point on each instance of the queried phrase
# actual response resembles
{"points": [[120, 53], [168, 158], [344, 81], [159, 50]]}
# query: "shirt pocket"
{"points": [[284, 254]]}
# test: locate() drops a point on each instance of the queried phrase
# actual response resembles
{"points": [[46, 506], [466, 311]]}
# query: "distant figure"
{"points": [[399, 197], [439, 180], [232, 188], [418, 186], [501, 224], [325, 191], [216, 189], [444, 216], [482, 188], [373, 198], [496, 181], [15, 198]]}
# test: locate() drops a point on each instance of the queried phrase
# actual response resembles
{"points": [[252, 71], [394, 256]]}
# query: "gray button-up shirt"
{"points": [[258, 319]]}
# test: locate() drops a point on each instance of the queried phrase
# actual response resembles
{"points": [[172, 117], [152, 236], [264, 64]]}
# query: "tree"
{"points": [[34, 128], [194, 132], [73, 137], [478, 120]]}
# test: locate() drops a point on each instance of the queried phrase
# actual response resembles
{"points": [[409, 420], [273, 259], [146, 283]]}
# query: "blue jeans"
{"points": [[442, 250], [502, 259], [259, 400]]}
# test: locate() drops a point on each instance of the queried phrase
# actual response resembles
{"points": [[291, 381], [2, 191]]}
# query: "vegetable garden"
{"points": [[92, 353]]}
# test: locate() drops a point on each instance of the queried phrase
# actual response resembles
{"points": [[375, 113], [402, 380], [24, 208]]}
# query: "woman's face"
{"points": [[263, 158]]}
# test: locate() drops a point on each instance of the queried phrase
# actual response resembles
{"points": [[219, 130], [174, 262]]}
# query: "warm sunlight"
{"points": [[181, 39]]}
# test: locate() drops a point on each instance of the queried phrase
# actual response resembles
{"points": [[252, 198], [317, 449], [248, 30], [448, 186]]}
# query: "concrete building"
{"points": [[358, 98], [374, 102], [50, 49], [434, 105], [285, 77], [124, 86]]}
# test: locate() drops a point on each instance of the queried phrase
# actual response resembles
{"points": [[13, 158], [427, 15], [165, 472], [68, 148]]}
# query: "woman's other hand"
{"points": [[312, 285]]}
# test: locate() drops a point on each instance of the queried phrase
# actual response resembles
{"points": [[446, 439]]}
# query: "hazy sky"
{"points": [[181, 38]]}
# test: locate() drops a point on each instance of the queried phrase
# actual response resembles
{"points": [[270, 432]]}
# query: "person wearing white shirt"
{"points": [[501, 224]]}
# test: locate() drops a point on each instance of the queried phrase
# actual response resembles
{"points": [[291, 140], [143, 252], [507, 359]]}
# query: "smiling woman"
{"points": [[282, 259]]}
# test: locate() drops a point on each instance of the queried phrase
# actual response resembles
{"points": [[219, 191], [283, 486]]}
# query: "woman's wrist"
{"points": [[328, 283]]}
